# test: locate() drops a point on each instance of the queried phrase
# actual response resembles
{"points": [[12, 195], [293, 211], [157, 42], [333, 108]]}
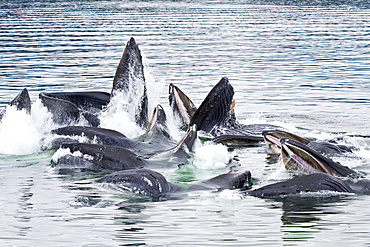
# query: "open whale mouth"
{"points": [[21, 101], [272, 139], [181, 104], [297, 156], [188, 139], [272, 142], [215, 108], [158, 118], [70, 106]]}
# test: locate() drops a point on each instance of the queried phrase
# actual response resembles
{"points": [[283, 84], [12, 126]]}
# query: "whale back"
{"points": [[232, 180], [104, 157], [142, 182], [309, 183], [98, 135]]}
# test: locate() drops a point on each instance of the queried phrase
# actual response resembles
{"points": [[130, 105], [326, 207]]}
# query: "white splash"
{"points": [[66, 151], [21, 133], [120, 113], [154, 88], [117, 117], [363, 153], [258, 118], [60, 153], [230, 195], [211, 156], [17, 133], [279, 172]]}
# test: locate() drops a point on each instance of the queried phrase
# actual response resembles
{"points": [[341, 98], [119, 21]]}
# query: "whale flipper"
{"points": [[130, 80], [309, 183]]}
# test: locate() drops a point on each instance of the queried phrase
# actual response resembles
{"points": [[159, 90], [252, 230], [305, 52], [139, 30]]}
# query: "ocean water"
{"points": [[304, 65]]}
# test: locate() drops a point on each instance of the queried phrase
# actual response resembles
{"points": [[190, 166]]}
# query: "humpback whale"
{"points": [[96, 158], [181, 104], [216, 115], [157, 132], [316, 182], [214, 110], [297, 156], [128, 161], [91, 134], [67, 107], [146, 182], [320, 172], [109, 155], [128, 82], [272, 139], [156, 138], [22, 102]]}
